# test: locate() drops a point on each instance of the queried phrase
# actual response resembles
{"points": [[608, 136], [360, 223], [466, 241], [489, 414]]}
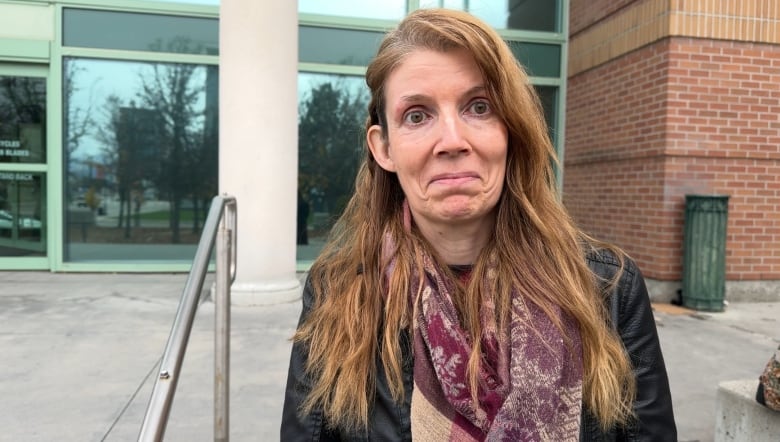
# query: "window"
{"points": [[141, 162], [332, 110], [22, 119], [22, 142], [120, 30], [530, 15], [386, 9], [337, 46], [548, 95], [540, 60], [22, 220]]}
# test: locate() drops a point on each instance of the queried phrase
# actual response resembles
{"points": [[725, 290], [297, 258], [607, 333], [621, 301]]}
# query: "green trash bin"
{"points": [[704, 252]]}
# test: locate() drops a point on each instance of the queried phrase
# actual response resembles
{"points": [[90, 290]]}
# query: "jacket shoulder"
{"points": [[607, 264]]}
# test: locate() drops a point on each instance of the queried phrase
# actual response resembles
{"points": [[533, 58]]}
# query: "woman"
{"points": [[456, 299]]}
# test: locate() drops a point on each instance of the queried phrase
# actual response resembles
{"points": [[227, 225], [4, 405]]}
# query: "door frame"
{"points": [[35, 70]]}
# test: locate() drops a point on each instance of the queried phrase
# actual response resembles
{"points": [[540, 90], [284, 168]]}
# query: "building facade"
{"points": [[111, 141], [668, 98], [121, 119]]}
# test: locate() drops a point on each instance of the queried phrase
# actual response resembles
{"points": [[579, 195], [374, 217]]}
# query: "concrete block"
{"points": [[736, 291], [738, 417], [753, 291], [663, 291]]}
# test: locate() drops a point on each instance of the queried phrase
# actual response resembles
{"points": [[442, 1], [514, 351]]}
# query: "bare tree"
{"points": [[110, 135], [173, 92], [77, 120], [330, 142]]}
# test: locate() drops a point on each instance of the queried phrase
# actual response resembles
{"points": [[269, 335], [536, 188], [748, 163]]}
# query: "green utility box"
{"points": [[704, 252]]}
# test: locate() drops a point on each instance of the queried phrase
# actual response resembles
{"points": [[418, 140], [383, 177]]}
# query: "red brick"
{"points": [[705, 121]]}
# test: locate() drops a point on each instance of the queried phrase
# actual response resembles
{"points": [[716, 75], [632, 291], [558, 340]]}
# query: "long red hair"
{"points": [[540, 251]]}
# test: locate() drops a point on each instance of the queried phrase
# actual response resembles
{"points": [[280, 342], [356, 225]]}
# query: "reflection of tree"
{"points": [[162, 144], [77, 121], [330, 139], [139, 137], [186, 166], [206, 157], [23, 117], [108, 134], [131, 137], [23, 100]]}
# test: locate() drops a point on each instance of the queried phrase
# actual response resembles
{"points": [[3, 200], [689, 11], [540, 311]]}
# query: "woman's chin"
{"points": [[464, 213]]}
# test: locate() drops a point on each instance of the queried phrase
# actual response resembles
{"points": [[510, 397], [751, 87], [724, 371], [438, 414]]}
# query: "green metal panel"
{"points": [[560, 130], [704, 248], [127, 267], [55, 149], [24, 263], [31, 51], [26, 20]]}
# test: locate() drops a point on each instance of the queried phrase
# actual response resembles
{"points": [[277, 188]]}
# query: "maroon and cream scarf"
{"points": [[530, 381]]}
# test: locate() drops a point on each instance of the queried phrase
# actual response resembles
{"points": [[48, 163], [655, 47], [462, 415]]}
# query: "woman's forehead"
{"points": [[427, 71]]}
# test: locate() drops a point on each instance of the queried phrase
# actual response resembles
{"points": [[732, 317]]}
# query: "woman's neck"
{"points": [[457, 244]]}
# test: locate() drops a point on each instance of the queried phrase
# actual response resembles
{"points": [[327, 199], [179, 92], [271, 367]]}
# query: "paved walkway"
{"points": [[79, 354]]}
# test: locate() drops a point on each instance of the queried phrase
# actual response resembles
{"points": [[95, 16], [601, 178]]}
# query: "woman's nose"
{"points": [[452, 138]]}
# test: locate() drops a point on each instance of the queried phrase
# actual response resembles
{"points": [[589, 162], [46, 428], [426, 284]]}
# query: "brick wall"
{"points": [[601, 31], [585, 13], [723, 137], [614, 165], [680, 116]]}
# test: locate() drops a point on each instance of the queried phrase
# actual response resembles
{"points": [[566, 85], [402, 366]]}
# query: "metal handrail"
{"points": [[220, 224]]}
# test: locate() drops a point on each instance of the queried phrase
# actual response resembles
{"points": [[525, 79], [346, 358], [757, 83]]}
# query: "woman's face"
{"points": [[444, 140]]}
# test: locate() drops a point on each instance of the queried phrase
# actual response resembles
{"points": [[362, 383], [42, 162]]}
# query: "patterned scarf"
{"points": [[530, 383]]}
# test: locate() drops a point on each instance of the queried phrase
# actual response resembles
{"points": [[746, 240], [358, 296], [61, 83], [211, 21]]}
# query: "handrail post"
{"points": [[222, 216], [222, 332]]}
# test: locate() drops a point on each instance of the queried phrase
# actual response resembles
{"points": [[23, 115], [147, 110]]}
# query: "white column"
{"points": [[258, 143]]}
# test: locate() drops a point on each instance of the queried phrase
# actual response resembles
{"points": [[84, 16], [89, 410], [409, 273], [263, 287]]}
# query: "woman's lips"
{"points": [[453, 179]]}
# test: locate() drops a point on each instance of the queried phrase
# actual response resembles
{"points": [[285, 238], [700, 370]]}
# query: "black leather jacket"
{"points": [[631, 313]]}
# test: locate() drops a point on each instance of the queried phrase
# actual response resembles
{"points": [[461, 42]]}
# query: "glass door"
{"points": [[22, 163]]}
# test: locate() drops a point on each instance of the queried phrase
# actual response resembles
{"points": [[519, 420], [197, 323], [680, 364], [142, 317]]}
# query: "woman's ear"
{"points": [[380, 148]]}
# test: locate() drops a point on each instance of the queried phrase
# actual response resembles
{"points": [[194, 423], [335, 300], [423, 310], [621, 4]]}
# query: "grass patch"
{"points": [[165, 215]]}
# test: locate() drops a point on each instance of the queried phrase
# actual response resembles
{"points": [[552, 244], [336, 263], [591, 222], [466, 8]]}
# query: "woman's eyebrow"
{"points": [[475, 90], [413, 98], [479, 89]]}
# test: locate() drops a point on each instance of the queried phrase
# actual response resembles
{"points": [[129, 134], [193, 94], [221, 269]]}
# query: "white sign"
{"points": [[15, 152], [16, 176]]}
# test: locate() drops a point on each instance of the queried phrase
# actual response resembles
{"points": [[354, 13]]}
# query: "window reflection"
{"points": [[119, 30], [337, 46], [386, 9], [22, 119], [331, 112], [141, 162], [22, 206], [541, 60], [532, 15], [548, 95]]}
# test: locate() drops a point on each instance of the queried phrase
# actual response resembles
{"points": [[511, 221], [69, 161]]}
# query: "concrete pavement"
{"points": [[79, 356]]}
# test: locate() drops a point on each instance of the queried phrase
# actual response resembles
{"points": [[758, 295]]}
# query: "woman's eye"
{"points": [[415, 117], [480, 107]]}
